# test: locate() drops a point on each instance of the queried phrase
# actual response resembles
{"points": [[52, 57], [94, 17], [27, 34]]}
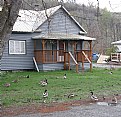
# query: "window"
{"points": [[17, 47]]}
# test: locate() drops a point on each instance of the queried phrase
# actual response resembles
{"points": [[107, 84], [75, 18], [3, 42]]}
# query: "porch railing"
{"points": [[49, 56], [80, 56]]}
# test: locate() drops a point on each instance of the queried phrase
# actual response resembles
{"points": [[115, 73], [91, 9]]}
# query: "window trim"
{"points": [[17, 53]]}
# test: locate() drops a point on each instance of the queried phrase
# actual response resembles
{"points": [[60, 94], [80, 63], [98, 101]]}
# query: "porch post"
{"points": [[90, 42], [82, 56], [82, 62], [43, 51], [64, 56], [69, 61]]}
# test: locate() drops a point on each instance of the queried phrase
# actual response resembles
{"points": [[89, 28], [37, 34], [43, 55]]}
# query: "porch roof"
{"points": [[62, 36]]}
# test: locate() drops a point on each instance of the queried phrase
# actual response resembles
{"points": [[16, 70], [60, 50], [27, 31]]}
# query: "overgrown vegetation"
{"points": [[111, 50], [28, 90]]}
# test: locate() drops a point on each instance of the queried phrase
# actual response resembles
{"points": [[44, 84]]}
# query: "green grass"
{"points": [[28, 90]]}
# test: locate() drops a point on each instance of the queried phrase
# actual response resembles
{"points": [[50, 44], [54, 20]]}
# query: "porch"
{"points": [[65, 49], [49, 56]]}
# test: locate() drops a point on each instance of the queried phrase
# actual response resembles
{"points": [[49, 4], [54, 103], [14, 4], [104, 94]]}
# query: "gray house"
{"points": [[47, 40]]}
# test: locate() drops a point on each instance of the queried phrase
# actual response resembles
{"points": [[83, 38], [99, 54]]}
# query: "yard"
{"points": [[29, 91]]}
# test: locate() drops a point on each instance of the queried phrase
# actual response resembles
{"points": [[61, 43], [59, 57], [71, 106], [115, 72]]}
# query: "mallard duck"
{"points": [[15, 81], [45, 94], [111, 72], [93, 97], [44, 82], [27, 76], [104, 98], [64, 76], [7, 84], [71, 95], [113, 101]]}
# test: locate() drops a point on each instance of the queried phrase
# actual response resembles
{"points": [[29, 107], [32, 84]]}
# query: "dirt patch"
{"points": [[47, 108]]}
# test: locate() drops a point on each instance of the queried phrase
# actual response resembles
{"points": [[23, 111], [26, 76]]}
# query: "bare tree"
{"points": [[8, 16]]}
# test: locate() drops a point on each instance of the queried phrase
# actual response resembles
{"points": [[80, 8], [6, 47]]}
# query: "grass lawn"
{"points": [[28, 90]]}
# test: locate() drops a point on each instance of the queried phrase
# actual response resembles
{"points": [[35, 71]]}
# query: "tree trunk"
{"points": [[8, 16]]}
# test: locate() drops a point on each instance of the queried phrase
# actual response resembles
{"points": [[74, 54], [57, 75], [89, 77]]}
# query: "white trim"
{"points": [[18, 47]]}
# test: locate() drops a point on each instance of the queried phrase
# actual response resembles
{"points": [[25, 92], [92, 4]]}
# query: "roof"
{"points": [[63, 36], [30, 20], [116, 42]]}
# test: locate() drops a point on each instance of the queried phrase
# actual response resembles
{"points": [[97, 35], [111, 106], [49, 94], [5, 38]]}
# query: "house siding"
{"points": [[19, 62], [51, 66], [57, 66], [60, 22]]}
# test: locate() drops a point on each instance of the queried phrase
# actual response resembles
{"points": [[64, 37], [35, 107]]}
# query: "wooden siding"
{"points": [[18, 62], [57, 66], [40, 66], [60, 23], [50, 66]]}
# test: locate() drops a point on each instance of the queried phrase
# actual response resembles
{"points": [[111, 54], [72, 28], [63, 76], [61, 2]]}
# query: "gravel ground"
{"points": [[107, 66], [92, 110]]}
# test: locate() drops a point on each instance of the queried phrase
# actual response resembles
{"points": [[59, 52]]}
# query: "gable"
{"points": [[81, 28], [61, 22]]}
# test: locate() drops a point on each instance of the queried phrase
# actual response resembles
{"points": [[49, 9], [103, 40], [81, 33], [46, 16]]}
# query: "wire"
{"points": [[111, 6], [117, 6]]}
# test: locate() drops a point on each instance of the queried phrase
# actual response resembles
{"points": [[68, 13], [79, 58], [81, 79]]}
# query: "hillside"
{"points": [[99, 23]]}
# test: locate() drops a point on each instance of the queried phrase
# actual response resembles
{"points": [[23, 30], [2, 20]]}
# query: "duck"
{"points": [[104, 98], [45, 95], [113, 101], [7, 84], [111, 73], [44, 82], [27, 76], [93, 97], [64, 76], [15, 81], [71, 95]]}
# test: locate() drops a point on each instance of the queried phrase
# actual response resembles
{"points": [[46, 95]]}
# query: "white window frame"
{"points": [[17, 47]]}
